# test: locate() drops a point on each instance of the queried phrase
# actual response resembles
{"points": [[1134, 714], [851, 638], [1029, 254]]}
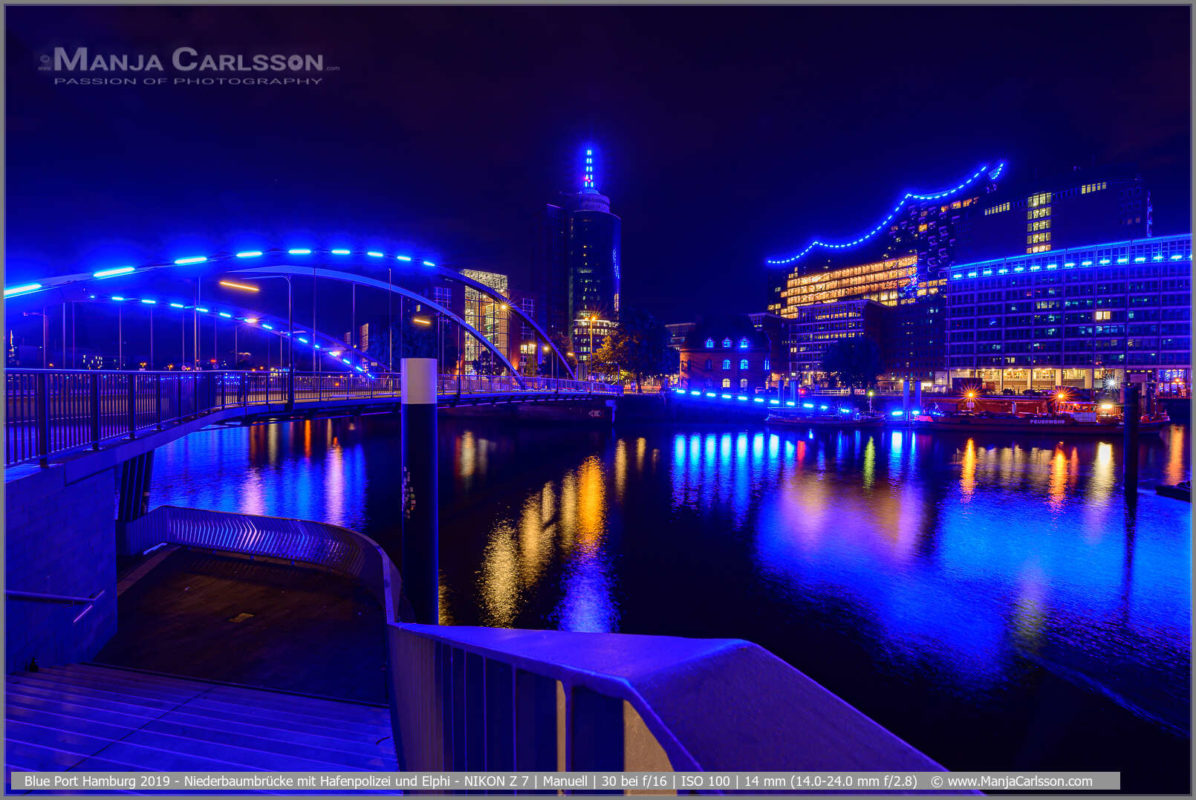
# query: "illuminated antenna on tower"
{"points": [[587, 180]]}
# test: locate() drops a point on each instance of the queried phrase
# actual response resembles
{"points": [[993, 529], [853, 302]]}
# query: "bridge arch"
{"points": [[365, 280], [266, 323], [373, 260]]}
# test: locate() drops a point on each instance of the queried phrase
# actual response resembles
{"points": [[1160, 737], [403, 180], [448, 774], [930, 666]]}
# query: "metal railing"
{"points": [[467, 698], [48, 619], [51, 412]]}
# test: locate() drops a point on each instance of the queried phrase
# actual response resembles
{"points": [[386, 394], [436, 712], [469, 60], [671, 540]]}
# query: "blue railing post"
{"points": [[158, 396], [131, 403], [42, 401], [95, 410]]}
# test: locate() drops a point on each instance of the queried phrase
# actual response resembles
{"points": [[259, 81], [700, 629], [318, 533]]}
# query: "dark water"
{"points": [[999, 603]]}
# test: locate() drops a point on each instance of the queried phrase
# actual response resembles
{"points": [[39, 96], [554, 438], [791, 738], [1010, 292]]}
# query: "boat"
{"points": [[823, 417], [1181, 491], [1061, 423]]}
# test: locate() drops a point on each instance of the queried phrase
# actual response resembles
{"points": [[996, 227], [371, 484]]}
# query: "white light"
{"points": [[108, 273]]}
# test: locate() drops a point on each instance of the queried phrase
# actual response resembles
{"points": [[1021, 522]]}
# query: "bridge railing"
{"points": [[469, 698], [51, 412]]}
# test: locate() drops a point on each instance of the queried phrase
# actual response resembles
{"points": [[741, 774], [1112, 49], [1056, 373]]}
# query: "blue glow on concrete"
{"points": [[109, 273], [993, 174]]}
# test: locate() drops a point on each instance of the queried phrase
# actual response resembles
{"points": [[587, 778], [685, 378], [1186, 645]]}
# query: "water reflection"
{"points": [[954, 573]]}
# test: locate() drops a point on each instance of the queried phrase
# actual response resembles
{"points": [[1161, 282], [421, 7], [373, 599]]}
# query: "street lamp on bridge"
{"points": [[248, 287]]}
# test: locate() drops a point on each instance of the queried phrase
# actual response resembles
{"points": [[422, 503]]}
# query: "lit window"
{"points": [[726, 342], [726, 363], [743, 343], [710, 343], [743, 363], [743, 383], [1101, 316], [766, 365], [726, 383]]}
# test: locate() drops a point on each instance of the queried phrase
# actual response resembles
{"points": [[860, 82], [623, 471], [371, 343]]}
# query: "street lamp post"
{"points": [[290, 331], [590, 358]]}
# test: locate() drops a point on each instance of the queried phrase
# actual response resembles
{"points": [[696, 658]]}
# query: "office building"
{"points": [[489, 317], [1070, 209], [814, 328], [1073, 317], [904, 261], [578, 264]]}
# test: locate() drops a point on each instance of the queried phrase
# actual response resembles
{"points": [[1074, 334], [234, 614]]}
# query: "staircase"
{"points": [[86, 717]]}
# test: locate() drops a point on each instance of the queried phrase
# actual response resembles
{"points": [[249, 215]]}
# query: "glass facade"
{"points": [[490, 318], [1123, 305]]}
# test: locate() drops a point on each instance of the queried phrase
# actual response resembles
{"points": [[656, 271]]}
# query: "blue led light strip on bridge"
{"points": [[993, 175]]}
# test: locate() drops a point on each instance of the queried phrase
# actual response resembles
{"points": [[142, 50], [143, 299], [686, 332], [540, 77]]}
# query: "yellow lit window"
{"points": [[1101, 316]]}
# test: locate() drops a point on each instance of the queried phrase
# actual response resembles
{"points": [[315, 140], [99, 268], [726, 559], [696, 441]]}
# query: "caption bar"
{"points": [[570, 781]]}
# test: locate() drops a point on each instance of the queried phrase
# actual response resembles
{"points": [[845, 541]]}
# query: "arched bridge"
{"points": [[175, 309]]}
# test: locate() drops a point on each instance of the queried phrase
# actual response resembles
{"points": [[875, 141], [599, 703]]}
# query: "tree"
{"points": [[639, 345], [854, 361]]}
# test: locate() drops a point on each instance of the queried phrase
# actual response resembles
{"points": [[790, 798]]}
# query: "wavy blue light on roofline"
{"points": [[993, 174]]}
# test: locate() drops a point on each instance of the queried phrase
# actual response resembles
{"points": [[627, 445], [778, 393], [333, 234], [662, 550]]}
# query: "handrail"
{"points": [[62, 599], [54, 412], [469, 698]]}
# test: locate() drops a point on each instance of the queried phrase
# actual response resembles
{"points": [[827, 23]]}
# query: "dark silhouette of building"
{"points": [[578, 264]]}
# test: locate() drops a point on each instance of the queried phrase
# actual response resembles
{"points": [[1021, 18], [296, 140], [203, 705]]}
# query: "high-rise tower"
{"points": [[578, 269]]}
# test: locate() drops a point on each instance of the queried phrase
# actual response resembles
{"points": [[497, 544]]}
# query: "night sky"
{"points": [[723, 135]]}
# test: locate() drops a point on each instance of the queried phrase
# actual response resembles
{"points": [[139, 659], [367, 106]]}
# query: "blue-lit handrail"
{"points": [[621, 701], [318, 544]]}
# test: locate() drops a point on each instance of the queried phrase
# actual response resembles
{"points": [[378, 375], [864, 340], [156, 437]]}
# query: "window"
{"points": [[726, 363], [744, 344], [1101, 316], [710, 343], [726, 383], [743, 383], [708, 365], [766, 366], [743, 363], [726, 342]]}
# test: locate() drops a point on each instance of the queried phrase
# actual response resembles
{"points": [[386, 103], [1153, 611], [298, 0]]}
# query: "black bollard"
{"points": [[1131, 414], [419, 551]]}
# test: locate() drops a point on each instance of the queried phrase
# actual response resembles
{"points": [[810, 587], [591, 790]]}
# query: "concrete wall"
{"points": [[60, 538]]}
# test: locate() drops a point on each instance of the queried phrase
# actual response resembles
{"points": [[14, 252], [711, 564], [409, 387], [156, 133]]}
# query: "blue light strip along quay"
{"points": [[993, 174]]}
